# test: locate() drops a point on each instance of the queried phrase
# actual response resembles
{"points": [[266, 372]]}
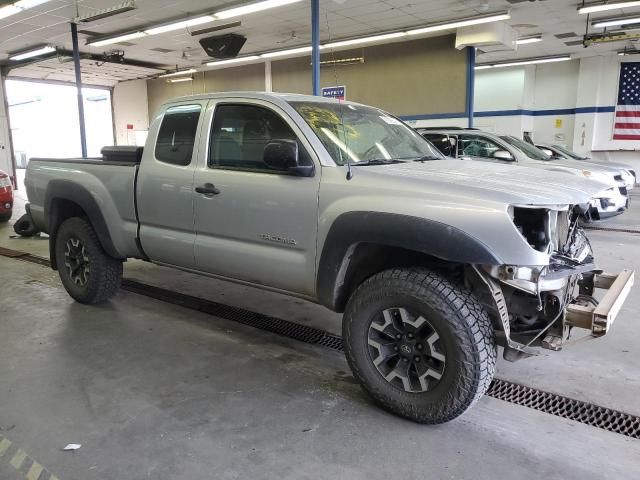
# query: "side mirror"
{"points": [[548, 152], [502, 155], [282, 155]]}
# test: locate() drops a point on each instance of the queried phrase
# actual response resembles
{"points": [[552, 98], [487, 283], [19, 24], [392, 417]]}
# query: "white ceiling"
{"points": [[283, 27]]}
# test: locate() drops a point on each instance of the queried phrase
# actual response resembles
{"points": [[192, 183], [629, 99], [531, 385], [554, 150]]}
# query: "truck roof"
{"points": [[275, 97]]}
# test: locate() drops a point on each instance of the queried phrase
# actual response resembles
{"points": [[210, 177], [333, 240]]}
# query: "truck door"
{"points": [[252, 223], [165, 186]]}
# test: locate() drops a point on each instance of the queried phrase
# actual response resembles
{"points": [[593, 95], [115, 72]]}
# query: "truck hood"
{"points": [[509, 184]]}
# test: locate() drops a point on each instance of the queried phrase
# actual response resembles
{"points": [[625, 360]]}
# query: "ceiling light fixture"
{"points": [[528, 40], [252, 8], [36, 52], [17, 7], [612, 22], [106, 12], [220, 63], [178, 80], [603, 7], [529, 61], [494, 17], [118, 39], [178, 25], [358, 41], [282, 53], [178, 73]]}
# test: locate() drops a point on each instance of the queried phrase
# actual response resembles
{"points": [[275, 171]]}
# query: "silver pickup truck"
{"points": [[433, 262]]}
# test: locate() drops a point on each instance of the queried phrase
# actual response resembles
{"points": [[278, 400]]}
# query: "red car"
{"points": [[6, 197]]}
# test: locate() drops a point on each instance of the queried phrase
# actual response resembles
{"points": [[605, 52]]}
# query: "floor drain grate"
{"points": [[564, 407], [587, 413], [282, 327]]}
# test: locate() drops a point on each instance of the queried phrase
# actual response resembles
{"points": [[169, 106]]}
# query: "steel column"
{"points": [[76, 64], [315, 46], [471, 83]]}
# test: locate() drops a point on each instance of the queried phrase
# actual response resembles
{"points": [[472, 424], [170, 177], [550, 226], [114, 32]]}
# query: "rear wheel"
{"points": [[88, 274], [423, 347]]}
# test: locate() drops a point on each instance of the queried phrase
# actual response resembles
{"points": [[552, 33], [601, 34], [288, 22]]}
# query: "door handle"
{"points": [[208, 190]]}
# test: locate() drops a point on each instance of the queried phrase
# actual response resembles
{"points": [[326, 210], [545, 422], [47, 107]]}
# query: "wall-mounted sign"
{"points": [[339, 92]]}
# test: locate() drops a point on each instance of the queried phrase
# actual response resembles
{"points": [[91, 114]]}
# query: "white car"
{"points": [[625, 173], [473, 144]]}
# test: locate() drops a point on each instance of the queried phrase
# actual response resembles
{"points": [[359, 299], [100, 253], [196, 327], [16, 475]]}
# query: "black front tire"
{"points": [[458, 347], [88, 274], [5, 217]]}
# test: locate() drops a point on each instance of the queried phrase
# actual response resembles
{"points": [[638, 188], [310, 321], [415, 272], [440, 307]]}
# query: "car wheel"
{"points": [[25, 227], [88, 274], [5, 217], [421, 346]]}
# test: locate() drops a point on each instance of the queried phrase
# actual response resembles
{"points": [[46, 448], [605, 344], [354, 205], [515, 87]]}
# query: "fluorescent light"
{"points": [[527, 40], [24, 4], [178, 25], [531, 61], [18, 7], [32, 53], [233, 60], [252, 8], [461, 23], [615, 21], [9, 10], [122, 7], [118, 39], [177, 80], [282, 53], [175, 74], [603, 7], [357, 41]]}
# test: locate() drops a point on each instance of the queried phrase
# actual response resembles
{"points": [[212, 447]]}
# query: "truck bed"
{"points": [[110, 183]]}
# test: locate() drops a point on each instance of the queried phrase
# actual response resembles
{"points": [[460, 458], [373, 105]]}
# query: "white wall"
{"points": [[130, 107], [6, 165]]}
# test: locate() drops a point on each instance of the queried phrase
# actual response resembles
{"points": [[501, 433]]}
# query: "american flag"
{"points": [[627, 124]]}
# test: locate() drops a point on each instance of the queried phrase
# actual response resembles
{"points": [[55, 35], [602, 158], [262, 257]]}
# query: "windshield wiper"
{"points": [[378, 161]]}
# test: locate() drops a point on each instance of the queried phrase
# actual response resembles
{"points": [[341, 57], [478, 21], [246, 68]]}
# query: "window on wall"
{"points": [[240, 133], [177, 134]]}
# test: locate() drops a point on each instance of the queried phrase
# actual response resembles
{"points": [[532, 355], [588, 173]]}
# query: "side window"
{"points": [[177, 134], [442, 142], [240, 133], [472, 146]]}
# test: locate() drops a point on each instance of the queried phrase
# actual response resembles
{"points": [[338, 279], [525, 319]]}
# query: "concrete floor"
{"points": [[152, 390]]}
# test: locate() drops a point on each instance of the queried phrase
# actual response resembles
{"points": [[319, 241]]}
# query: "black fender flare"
{"points": [[78, 194], [417, 234]]}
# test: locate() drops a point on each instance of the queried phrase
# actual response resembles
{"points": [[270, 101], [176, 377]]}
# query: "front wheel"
{"points": [[88, 274], [421, 346]]}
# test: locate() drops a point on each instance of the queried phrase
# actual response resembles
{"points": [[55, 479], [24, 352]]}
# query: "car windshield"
{"points": [[568, 152], [526, 148], [364, 135]]}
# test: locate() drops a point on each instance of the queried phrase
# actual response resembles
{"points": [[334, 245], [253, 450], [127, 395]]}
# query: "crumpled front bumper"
{"points": [[599, 317]]}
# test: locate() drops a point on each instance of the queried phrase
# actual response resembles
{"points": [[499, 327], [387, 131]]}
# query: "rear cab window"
{"points": [[177, 134]]}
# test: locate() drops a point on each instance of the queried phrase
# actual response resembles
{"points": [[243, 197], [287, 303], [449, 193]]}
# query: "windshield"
{"points": [[526, 148], [364, 134], [568, 152]]}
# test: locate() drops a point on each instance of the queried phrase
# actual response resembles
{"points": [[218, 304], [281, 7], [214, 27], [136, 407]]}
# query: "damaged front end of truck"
{"points": [[540, 305]]}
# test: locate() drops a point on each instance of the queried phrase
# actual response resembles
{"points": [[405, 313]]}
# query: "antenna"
{"points": [[335, 78]]}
